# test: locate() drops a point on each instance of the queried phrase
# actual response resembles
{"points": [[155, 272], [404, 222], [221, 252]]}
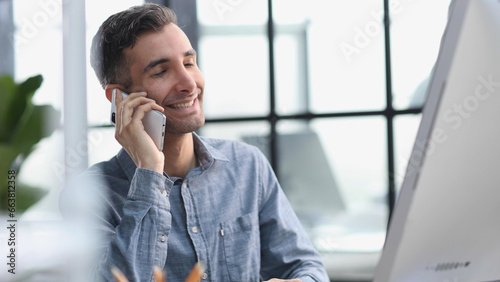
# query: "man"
{"points": [[199, 199]]}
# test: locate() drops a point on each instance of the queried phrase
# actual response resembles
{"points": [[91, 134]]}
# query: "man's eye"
{"points": [[159, 73]]}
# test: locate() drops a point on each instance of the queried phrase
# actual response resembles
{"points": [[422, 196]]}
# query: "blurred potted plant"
{"points": [[22, 126]]}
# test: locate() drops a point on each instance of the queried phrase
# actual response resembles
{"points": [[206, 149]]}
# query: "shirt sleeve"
{"points": [[286, 251], [139, 241]]}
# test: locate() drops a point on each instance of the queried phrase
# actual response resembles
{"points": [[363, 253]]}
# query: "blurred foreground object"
{"points": [[195, 275], [22, 126]]}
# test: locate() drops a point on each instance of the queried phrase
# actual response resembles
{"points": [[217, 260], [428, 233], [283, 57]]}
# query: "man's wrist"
{"points": [[157, 167], [150, 186]]}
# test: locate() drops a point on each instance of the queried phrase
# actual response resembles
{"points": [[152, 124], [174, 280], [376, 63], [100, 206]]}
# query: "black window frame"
{"points": [[273, 117], [188, 21]]}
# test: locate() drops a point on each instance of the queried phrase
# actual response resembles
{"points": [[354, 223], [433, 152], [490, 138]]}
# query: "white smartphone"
{"points": [[154, 121]]}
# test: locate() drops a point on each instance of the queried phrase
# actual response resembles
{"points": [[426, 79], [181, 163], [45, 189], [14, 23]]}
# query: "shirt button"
{"points": [[163, 238], [205, 276], [184, 185], [164, 192], [195, 229]]}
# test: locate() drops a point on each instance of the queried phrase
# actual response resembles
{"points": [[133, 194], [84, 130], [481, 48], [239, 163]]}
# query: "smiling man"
{"points": [[200, 199]]}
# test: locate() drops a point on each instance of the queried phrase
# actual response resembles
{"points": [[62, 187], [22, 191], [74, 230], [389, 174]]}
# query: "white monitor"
{"points": [[446, 223]]}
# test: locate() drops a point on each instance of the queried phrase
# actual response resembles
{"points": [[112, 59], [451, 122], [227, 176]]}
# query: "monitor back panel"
{"points": [[446, 225]]}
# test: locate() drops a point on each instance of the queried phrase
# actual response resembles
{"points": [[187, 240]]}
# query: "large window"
{"points": [[330, 91]]}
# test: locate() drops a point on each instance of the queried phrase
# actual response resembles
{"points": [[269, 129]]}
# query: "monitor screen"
{"points": [[446, 223]]}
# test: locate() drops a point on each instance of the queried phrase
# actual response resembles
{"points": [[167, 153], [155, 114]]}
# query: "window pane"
{"points": [[290, 73], [334, 172], [236, 71], [355, 147], [102, 144], [240, 131], [233, 57], [416, 31], [345, 55], [38, 48], [232, 12]]}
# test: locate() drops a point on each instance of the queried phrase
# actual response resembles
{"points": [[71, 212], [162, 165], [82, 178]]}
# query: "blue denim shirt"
{"points": [[229, 212]]}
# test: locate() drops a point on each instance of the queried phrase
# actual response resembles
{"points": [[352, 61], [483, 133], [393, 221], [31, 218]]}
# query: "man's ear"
{"points": [[109, 90]]}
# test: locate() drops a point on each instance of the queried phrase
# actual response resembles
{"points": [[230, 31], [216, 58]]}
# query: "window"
{"points": [[333, 97]]}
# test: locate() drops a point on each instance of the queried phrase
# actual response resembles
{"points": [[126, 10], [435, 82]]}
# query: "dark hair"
{"points": [[119, 32]]}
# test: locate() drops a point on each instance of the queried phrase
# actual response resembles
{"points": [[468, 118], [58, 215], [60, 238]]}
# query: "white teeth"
{"points": [[183, 106]]}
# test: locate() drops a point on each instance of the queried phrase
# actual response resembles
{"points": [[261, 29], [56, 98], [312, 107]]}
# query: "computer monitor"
{"points": [[446, 223]]}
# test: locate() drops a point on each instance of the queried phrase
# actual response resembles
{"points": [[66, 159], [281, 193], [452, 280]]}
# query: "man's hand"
{"points": [[130, 131]]}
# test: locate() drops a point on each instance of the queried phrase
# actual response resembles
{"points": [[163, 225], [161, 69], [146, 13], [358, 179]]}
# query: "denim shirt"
{"points": [[229, 213]]}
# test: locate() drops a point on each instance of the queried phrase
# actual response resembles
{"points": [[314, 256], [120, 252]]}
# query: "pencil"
{"points": [[119, 277], [196, 273], [159, 274]]}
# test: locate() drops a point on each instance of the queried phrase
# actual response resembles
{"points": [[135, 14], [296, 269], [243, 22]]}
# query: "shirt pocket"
{"points": [[241, 241]]}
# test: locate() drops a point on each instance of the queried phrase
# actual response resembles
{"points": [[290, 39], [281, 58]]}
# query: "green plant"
{"points": [[22, 125]]}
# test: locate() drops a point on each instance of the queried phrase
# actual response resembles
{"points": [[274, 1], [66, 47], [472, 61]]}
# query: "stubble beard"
{"points": [[182, 127]]}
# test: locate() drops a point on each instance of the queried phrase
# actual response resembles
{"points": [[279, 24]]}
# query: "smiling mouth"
{"points": [[182, 105]]}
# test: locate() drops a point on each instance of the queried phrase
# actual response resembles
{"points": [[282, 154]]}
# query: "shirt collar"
{"points": [[206, 154]]}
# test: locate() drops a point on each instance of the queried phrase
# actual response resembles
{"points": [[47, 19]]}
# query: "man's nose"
{"points": [[185, 83]]}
